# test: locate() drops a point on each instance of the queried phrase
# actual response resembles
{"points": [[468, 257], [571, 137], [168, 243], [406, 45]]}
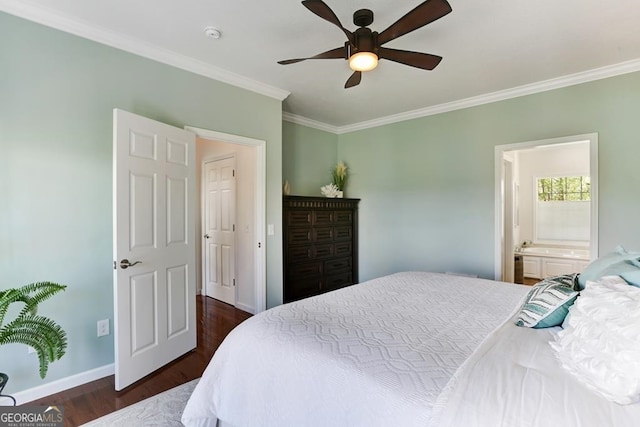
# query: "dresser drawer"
{"points": [[300, 236], [306, 269], [338, 281], [299, 218], [343, 233], [323, 217], [339, 265], [303, 288], [343, 217], [343, 249], [298, 254], [324, 251], [323, 234], [306, 253]]}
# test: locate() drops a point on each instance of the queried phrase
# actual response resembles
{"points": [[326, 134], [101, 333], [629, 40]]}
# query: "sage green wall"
{"points": [[308, 156], [427, 185], [57, 92]]}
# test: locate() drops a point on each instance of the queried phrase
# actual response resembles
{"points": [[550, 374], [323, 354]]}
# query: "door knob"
{"points": [[124, 264], [206, 236]]}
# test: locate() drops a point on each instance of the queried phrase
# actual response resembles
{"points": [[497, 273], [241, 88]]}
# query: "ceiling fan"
{"points": [[363, 47]]}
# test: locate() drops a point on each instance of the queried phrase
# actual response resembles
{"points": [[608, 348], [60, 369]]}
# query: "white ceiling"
{"points": [[492, 49]]}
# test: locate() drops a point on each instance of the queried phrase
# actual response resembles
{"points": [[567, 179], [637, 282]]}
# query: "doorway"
{"points": [[509, 210], [219, 228], [249, 253]]}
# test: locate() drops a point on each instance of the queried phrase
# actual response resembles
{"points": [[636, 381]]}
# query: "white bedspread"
{"points": [[377, 353]]}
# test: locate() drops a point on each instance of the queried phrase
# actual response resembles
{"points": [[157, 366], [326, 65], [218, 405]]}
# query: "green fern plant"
{"points": [[45, 336]]}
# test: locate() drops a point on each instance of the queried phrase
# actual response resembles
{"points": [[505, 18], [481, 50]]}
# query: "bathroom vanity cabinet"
{"points": [[541, 267]]}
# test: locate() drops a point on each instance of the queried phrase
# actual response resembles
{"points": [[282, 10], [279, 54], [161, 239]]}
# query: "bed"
{"points": [[409, 349]]}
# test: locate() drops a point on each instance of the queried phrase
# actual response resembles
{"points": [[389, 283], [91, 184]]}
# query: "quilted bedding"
{"points": [[377, 353]]}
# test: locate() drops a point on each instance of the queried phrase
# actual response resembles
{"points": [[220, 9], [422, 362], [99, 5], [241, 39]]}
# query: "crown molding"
{"points": [[293, 118], [529, 89], [54, 19]]}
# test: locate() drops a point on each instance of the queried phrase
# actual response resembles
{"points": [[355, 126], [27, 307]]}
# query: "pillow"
{"points": [[614, 264], [600, 344], [632, 277], [548, 302]]}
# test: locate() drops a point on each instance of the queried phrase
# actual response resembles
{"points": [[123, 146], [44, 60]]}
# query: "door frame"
{"points": [[499, 223], [260, 278], [508, 212]]}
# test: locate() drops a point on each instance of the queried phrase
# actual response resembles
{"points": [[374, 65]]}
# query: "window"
{"points": [[567, 188], [562, 209]]}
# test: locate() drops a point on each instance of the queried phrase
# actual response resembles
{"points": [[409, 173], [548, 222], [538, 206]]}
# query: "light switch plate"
{"points": [[103, 327]]}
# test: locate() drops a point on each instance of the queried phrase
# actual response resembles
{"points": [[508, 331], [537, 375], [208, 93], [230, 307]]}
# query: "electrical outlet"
{"points": [[103, 327]]}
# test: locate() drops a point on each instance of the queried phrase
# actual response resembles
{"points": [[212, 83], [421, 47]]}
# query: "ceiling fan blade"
{"points": [[321, 9], [354, 80], [423, 14], [337, 53], [426, 61]]}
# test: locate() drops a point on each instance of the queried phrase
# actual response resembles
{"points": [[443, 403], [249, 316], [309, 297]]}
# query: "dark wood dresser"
{"points": [[320, 245]]}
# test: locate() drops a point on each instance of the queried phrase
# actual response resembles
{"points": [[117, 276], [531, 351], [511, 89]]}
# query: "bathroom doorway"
{"points": [[521, 169]]}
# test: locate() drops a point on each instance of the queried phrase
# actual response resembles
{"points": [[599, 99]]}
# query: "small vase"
{"points": [[340, 194]]}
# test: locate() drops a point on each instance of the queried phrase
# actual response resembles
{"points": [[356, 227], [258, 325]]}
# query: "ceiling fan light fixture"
{"points": [[363, 61], [363, 47]]}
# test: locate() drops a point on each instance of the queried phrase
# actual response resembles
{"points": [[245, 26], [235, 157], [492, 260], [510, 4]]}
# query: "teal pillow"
{"points": [[614, 264], [548, 302], [634, 261], [632, 277]]}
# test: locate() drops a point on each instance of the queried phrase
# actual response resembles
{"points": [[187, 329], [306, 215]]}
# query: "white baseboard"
{"points": [[63, 384], [245, 307], [240, 306]]}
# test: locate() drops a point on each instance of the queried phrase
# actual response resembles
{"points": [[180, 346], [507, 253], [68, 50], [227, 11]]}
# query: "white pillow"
{"points": [[600, 344]]}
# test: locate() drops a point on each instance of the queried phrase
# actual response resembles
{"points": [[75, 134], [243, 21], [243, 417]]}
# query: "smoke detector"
{"points": [[212, 32]]}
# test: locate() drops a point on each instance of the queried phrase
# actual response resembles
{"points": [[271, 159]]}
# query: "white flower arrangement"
{"points": [[338, 180], [330, 190]]}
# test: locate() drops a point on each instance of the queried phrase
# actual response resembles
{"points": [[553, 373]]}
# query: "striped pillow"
{"points": [[548, 302]]}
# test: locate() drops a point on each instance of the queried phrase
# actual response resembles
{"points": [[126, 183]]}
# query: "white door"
{"points": [[154, 245], [219, 229]]}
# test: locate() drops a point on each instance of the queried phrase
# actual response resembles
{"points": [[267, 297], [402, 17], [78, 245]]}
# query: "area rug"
{"points": [[164, 409]]}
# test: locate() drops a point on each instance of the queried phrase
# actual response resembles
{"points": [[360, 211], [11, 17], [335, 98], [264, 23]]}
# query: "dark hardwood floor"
{"points": [[95, 399]]}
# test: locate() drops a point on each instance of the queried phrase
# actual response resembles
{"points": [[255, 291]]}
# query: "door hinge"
{"points": [[233, 173], [259, 244], [234, 282], [114, 265], [234, 227]]}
